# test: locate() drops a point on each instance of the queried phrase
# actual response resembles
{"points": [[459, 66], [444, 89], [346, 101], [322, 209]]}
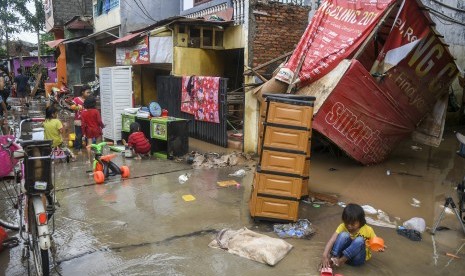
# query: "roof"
{"points": [[126, 38], [55, 43], [80, 23]]}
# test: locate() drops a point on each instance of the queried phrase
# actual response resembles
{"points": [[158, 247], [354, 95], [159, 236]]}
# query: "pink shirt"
{"points": [[80, 102]]}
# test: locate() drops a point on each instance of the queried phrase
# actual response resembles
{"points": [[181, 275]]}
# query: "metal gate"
{"points": [[169, 97]]}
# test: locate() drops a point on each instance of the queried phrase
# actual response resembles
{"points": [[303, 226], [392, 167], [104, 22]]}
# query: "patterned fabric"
{"points": [[200, 98]]}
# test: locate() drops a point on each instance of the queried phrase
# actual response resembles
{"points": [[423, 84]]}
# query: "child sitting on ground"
{"points": [[53, 128], [348, 243], [137, 141]]}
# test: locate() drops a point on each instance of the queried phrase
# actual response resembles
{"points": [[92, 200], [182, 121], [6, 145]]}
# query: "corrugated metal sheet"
{"points": [[169, 97]]}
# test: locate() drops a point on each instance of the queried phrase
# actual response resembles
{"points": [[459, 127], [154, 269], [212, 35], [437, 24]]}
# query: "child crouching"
{"points": [[137, 141]]}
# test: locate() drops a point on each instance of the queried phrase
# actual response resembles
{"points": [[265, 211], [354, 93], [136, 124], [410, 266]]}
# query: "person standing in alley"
{"points": [[78, 107], [4, 93], [22, 87], [91, 122]]}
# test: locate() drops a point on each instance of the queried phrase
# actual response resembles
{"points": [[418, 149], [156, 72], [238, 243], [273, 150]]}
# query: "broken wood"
{"points": [[249, 71], [325, 197], [262, 78]]}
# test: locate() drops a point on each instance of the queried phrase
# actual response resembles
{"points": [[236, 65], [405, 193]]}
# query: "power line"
{"points": [[144, 11], [447, 6], [135, 10], [443, 16]]}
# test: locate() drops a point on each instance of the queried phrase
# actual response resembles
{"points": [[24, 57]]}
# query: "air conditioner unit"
{"points": [[182, 40]]}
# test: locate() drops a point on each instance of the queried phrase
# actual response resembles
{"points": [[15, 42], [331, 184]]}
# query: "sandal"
{"points": [[411, 234]]}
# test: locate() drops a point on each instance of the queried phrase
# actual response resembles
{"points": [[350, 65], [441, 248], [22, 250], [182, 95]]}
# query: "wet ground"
{"points": [[142, 226]]}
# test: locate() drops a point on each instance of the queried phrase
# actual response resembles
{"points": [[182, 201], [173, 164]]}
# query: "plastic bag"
{"points": [[415, 224]]}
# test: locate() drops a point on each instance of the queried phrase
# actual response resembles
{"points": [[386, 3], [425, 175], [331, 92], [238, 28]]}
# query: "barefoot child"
{"points": [[53, 128], [91, 122], [137, 141], [348, 243]]}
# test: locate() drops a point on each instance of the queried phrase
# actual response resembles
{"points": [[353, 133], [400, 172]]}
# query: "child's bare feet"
{"points": [[138, 157]]}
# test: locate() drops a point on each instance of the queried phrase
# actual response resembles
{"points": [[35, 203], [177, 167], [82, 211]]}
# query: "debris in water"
{"points": [[416, 148], [415, 202], [301, 229], [342, 204], [188, 197], [215, 160], [369, 210], [228, 183], [183, 178], [238, 173]]}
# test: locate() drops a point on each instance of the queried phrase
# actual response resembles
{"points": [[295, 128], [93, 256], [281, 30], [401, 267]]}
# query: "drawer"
{"points": [[284, 162], [283, 186], [273, 208], [286, 138], [290, 115], [306, 172]]}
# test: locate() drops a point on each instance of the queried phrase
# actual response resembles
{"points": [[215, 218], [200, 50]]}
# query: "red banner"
{"points": [[337, 29], [366, 124], [420, 67]]}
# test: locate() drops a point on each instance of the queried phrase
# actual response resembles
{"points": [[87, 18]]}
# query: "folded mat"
{"points": [[252, 245]]}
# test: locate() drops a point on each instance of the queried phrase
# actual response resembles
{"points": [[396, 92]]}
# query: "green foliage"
{"points": [[14, 16], [44, 49]]}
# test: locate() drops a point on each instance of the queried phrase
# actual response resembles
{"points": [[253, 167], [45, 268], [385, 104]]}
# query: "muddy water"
{"points": [[142, 226]]}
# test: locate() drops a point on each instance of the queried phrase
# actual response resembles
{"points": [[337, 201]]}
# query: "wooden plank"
{"points": [[249, 71]]}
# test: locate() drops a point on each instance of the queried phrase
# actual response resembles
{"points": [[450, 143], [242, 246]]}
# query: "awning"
{"points": [[125, 38], [105, 33], [54, 43]]}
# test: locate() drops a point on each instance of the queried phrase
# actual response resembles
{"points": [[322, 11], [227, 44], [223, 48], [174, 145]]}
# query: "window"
{"points": [[104, 6], [198, 2]]}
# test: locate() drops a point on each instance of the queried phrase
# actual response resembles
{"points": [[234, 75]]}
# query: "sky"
{"points": [[27, 36]]}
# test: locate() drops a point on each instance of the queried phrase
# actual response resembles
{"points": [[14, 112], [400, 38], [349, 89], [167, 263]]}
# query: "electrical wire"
{"points": [[135, 10], [443, 16], [447, 6], [147, 12], [144, 11]]}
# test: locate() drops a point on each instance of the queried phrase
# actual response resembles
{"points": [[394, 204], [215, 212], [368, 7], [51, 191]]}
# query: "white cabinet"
{"points": [[115, 96]]}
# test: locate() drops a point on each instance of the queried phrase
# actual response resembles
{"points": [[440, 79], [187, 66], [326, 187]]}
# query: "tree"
{"points": [[12, 18]]}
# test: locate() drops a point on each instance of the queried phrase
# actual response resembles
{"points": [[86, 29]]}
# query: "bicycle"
{"points": [[28, 197], [102, 165]]}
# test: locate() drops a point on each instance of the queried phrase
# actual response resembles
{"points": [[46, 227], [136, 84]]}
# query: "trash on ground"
{"points": [[228, 183], [215, 160], [324, 197], [183, 178], [332, 169], [416, 148], [379, 223], [389, 172], [415, 224], [301, 229], [369, 210], [238, 173], [188, 197], [411, 234], [452, 255], [251, 245], [316, 205], [342, 204], [415, 202]]}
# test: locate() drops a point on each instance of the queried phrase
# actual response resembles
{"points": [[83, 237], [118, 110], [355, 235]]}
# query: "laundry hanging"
{"points": [[200, 98]]}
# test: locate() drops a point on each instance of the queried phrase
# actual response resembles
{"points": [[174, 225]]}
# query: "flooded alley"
{"points": [[142, 226]]}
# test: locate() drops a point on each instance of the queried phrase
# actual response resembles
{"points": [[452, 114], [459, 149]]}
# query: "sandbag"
{"points": [[252, 245]]}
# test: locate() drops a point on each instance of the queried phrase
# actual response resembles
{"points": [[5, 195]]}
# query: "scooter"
{"points": [[102, 165]]}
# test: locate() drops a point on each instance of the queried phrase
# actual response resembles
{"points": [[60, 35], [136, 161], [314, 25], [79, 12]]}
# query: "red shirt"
{"points": [[91, 123], [138, 141]]}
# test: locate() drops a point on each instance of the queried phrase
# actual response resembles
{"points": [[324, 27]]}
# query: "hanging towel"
{"points": [[200, 98]]}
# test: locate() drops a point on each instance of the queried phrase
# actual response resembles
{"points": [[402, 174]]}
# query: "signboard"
{"points": [[133, 55], [366, 125], [336, 31], [418, 67]]}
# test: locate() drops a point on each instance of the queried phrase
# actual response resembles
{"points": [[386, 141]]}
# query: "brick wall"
{"points": [[275, 29]]}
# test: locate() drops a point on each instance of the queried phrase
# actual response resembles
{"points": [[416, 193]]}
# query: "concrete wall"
{"points": [[188, 5], [195, 61], [107, 20], [134, 17]]}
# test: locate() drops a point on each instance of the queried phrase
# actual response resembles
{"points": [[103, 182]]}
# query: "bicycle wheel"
{"points": [[9, 202], [40, 257]]}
